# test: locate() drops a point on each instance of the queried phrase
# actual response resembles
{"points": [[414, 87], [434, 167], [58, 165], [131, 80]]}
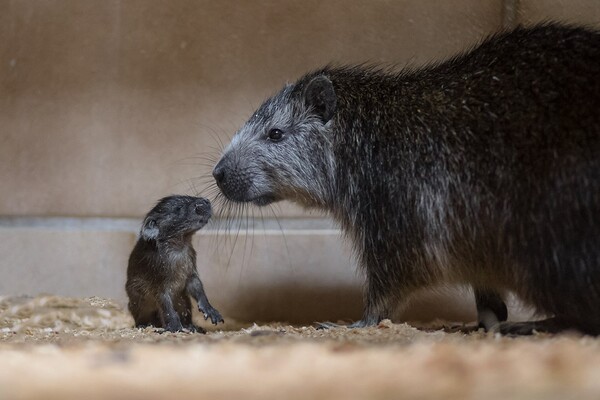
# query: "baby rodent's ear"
{"points": [[320, 95], [149, 229]]}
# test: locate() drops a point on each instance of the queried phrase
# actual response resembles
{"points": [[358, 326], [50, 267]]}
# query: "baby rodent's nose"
{"points": [[219, 172], [202, 207]]}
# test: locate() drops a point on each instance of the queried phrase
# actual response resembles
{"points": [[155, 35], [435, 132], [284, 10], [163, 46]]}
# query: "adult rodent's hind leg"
{"points": [[491, 309]]}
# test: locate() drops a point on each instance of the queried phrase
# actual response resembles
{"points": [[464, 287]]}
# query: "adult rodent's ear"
{"points": [[320, 96], [149, 229]]}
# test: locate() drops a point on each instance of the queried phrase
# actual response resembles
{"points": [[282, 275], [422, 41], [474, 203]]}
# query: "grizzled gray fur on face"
{"points": [[162, 275], [283, 151], [483, 169]]}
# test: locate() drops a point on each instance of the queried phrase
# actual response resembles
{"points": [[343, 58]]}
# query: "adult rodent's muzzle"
{"points": [[219, 173]]}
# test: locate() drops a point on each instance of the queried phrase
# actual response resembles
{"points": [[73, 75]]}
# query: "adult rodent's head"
{"points": [[284, 150], [175, 216]]}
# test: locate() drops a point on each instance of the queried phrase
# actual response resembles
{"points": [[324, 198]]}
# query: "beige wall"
{"points": [[585, 12], [105, 106]]}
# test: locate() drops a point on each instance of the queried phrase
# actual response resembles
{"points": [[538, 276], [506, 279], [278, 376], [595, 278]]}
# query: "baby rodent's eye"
{"points": [[275, 135]]}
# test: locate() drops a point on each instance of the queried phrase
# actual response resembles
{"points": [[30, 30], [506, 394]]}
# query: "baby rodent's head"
{"points": [[176, 216]]}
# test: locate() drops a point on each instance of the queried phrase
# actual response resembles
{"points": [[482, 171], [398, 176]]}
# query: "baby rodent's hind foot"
{"points": [[186, 329], [195, 329]]}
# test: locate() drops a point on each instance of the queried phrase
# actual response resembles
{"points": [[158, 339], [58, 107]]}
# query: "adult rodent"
{"points": [[483, 169], [162, 274]]}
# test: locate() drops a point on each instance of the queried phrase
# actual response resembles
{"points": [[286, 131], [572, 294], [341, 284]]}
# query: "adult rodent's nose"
{"points": [[219, 172]]}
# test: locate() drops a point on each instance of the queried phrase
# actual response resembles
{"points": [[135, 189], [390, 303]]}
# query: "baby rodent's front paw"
{"points": [[213, 314]]}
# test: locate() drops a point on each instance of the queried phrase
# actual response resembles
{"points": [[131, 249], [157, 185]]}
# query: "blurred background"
{"points": [[108, 105]]}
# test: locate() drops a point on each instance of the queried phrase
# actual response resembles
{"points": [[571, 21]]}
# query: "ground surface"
{"points": [[52, 347]]}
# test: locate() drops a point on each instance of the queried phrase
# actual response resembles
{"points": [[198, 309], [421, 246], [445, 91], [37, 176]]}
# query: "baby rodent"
{"points": [[483, 170], [162, 274]]}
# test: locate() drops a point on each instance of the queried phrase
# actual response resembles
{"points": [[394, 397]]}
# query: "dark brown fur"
{"points": [[483, 169], [162, 274]]}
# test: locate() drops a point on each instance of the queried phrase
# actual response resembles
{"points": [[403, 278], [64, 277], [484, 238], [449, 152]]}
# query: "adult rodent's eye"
{"points": [[275, 135]]}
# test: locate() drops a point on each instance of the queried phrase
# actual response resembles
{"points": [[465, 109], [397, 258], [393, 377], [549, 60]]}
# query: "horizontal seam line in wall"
{"points": [[267, 226]]}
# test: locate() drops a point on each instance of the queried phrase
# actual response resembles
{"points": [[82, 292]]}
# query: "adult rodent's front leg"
{"points": [[378, 302]]}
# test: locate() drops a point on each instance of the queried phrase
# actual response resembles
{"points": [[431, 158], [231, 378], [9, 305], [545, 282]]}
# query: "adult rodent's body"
{"points": [[162, 275], [483, 169]]}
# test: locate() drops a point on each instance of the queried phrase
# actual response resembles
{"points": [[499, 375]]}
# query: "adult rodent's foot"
{"points": [[328, 325], [358, 324], [213, 314], [550, 325]]}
